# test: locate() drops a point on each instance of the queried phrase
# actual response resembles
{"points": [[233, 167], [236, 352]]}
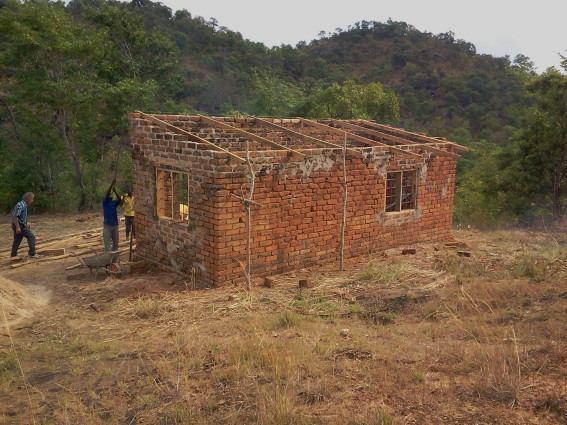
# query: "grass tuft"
{"points": [[375, 416], [462, 267], [277, 407], [8, 363], [531, 266], [86, 346], [179, 415], [286, 320], [385, 274], [499, 373], [147, 308]]}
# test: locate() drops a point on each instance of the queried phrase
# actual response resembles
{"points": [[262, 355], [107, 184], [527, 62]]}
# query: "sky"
{"points": [[537, 29]]}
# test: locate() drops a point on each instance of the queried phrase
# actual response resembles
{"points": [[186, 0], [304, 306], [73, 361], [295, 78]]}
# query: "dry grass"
{"points": [[498, 373], [392, 341], [384, 274], [375, 416], [8, 363], [277, 406], [286, 320], [147, 307]]}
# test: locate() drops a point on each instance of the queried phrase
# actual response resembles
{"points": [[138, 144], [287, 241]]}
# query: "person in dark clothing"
{"points": [[21, 227], [110, 224]]}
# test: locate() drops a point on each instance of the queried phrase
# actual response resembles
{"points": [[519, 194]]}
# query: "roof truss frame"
{"points": [[248, 134], [394, 139], [358, 138], [299, 134], [376, 129], [418, 136]]}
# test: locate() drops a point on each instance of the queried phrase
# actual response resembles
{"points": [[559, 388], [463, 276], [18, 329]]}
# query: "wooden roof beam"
{"points": [[394, 139], [252, 136], [304, 136], [190, 136], [358, 138], [418, 136]]}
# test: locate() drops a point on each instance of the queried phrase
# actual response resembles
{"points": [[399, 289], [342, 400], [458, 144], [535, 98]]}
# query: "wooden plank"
{"points": [[304, 136], [413, 134], [52, 252], [358, 138], [62, 257], [394, 139], [53, 241], [41, 260], [392, 148], [252, 136], [190, 136]]}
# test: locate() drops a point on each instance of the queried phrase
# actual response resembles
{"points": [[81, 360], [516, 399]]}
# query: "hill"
{"points": [[93, 60], [443, 84]]}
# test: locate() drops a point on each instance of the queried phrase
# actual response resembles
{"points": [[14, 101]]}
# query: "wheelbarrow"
{"points": [[109, 261]]}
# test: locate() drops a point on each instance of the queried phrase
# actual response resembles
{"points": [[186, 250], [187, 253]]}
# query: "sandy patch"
{"points": [[20, 302]]}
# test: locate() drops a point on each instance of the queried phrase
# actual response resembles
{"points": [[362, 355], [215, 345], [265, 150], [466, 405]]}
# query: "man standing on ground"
{"points": [[128, 207], [21, 227], [110, 227]]}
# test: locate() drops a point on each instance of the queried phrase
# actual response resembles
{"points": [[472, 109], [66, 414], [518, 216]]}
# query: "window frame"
{"points": [[401, 191], [174, 203]]}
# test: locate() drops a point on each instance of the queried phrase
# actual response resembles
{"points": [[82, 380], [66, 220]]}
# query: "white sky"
{"points": [[537, 29]]}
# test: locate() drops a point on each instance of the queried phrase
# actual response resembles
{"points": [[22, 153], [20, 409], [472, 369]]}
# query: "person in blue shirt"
{"points": [[110, 224], [21, 227]]}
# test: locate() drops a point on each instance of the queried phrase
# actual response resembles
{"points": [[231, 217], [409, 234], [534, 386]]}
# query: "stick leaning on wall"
{"points": [[344, 212]]}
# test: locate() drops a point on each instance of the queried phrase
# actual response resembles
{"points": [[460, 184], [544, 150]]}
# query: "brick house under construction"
{"points": [[192, 173]]}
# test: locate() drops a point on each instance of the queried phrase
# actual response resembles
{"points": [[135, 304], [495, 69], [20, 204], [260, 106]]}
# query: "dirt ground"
{"points": [[429, 338]]}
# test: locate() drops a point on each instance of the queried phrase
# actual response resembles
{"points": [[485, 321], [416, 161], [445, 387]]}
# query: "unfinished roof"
{"points": [[298, 136]]}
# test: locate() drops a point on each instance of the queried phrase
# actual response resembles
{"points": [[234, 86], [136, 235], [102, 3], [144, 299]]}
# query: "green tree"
{"points": [[63, 84], [274, 96], [351, 100], [536, 164]]}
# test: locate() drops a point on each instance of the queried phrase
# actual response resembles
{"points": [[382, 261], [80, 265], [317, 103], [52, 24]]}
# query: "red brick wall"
{"points": [[175, 246], [298, 222]]}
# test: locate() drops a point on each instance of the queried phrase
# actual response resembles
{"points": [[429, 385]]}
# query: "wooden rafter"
{"points": [[252, 136], [190, 136], [394, 139], [358, 138], [419, 137], [304, 136]]}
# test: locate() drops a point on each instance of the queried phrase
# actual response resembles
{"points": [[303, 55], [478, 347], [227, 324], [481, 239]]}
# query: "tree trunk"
{"points": [[73, 153], [12, 119]]}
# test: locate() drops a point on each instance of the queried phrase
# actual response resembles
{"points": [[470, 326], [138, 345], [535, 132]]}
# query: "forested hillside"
{"points": [[69, 73], [442, 83]]}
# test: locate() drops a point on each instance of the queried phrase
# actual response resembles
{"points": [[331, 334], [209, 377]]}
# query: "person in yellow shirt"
{"points": [[128, 209]]}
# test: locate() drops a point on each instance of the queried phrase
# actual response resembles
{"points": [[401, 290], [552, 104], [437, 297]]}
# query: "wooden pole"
{"points": [[345, 199], [247, 205], [131, 237]]}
